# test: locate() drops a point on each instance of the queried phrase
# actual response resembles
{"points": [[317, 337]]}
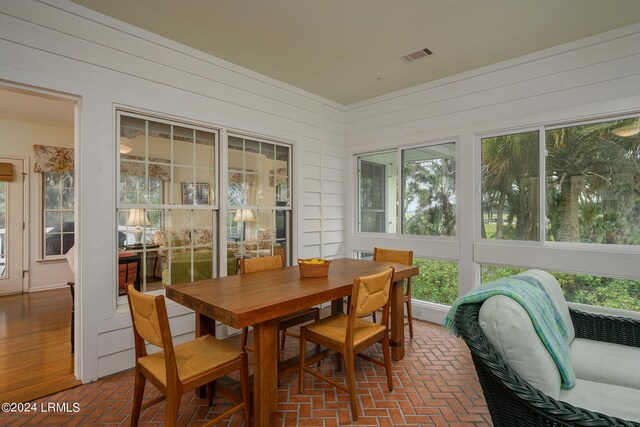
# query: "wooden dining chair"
{"points": [[255, 265], [177, 369], [349, 334], [401, 257]]}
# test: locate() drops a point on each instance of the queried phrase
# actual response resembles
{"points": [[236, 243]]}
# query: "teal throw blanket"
{"points": [[547, 322]]}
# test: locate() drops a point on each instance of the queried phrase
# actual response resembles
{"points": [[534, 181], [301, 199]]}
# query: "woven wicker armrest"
{"points": [[600, 327], [512, 401]]}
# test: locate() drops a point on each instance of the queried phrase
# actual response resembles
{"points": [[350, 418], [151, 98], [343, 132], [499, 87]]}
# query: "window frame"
{"points": [[355, 212], [542, 202], [167, 190], [229, 208], [360, 161], [42, 214], [477, 237]]}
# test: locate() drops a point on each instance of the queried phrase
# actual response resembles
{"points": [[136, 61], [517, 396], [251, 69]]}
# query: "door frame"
{"points": [[78, 355], [25, 217]]}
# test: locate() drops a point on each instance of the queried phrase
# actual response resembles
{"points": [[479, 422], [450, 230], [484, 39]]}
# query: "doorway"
{"points": [[11, 226], [37, 223]]}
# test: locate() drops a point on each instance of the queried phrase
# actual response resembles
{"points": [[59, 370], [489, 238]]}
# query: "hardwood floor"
{"points": [[35, 345]]}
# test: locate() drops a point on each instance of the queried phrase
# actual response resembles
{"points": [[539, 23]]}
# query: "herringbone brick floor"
{"points": [[434, 385]]}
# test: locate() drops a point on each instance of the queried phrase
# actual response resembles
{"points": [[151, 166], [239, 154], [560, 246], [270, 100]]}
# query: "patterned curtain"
{"points": [[137, 167], [52, 159]]}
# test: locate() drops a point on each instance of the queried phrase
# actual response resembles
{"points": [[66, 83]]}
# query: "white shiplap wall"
{"points": [[593, 77], [66, 49]]}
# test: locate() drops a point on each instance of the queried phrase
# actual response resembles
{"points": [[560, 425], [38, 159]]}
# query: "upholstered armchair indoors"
{"points": [[181, 243], [519, 377]]}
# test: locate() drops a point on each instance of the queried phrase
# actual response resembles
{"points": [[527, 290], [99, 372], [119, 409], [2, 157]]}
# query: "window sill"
{"points": [[51, 260]]}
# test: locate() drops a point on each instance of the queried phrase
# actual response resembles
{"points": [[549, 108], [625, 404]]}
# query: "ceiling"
{"points": [[349, 50], [22, 104]]}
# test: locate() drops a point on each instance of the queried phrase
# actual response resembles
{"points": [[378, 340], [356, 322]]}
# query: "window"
{"points": [[58, 217], [437, 281], [583, 289], [373, 197], [167, 202], [377, 192], [259, 200], [592, 184], [427, 189], [510, 186]]}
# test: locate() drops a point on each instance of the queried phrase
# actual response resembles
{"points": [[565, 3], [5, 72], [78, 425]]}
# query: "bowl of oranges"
{"points": [[314, 267]]}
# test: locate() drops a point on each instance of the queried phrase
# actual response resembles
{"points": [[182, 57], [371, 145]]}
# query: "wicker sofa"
{"points": [[508, 382]]}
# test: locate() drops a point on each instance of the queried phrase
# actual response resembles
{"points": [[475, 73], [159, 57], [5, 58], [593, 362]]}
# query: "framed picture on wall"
{"points": [[197, 194]]}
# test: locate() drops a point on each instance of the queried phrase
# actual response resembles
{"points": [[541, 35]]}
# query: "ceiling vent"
{"points": [[422, 53]]}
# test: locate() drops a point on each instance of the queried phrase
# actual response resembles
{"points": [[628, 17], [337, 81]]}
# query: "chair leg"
{"points": [[387, 360], [302, 354], [410, 317], [282, 339], [374, 317], [173, 403], [351, 383], [138, 392], [244, 383]]}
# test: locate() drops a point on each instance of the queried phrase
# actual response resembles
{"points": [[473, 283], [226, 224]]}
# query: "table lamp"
{"points": [[137, 218], [244, 215]]}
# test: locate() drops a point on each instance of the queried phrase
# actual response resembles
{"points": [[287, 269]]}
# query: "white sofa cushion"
{"points": [[557, 296], [608, 399], [606, 363], [508, 328]]}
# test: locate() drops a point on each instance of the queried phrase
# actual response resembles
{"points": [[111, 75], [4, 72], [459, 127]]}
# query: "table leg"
{"points": [[265, 373], [205, 325], [397, 321], [337, 306]]}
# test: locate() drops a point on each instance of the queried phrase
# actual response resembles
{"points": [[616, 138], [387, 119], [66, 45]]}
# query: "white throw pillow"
{"points": [[508, 328]]}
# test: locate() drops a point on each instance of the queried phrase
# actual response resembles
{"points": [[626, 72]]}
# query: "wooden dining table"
{"points": [[259, 299]]}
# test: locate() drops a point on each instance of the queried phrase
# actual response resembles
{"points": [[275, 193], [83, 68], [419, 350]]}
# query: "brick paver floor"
{"points": [[434, 385]]}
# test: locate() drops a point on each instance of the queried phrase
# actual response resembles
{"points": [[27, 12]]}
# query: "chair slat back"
{"points": [[255, 265], [147, 316], [371, 293], [393, 255]]}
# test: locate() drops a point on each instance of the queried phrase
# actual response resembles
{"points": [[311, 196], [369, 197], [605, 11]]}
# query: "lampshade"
{"points": [[125, 148], [627, 131], [137, 218], [244, 215]]}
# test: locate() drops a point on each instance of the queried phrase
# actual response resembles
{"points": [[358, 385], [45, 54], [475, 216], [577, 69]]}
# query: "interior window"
{"points": [[259, 199], [57, 214], [167, 207]]}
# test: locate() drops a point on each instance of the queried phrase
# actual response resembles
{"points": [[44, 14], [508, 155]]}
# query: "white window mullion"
{"points": [[542, 217], [399, 193]]}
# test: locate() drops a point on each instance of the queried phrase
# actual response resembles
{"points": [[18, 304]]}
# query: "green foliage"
{"points": [[592, 290], [592, 184], [430, 185], [437, 281]]}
